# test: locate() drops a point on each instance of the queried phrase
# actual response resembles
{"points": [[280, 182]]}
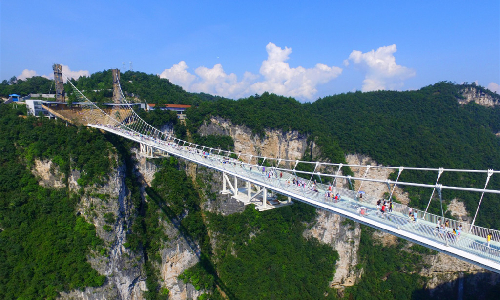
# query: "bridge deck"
{"points": [[466, 246]]}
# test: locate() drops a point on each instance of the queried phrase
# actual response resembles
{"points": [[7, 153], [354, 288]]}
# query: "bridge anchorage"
{"points": [[266, 177], [261, 197]]}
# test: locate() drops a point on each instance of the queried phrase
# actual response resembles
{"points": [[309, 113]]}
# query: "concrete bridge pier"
{"points": [[225, 182], [251, 193], [146, 150]]}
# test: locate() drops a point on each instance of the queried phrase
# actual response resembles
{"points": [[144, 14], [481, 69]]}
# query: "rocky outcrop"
{"points": [[473, 94], [276, 143], [145, 169], [449, 277], [110, 209], [48, 174], [178, 255], [458, 210], [343, 236], [374, 189]]}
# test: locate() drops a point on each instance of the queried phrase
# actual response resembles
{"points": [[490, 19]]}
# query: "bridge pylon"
{"points": [[59, 85], [117, 95]]}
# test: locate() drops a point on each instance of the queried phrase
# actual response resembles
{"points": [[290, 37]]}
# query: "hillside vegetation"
{"points": [[43, 243]]}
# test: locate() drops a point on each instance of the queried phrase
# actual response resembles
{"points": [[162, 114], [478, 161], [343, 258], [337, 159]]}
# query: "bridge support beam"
{"points": [[146, 150], [264, 199], [251, 193], [226, 182]]}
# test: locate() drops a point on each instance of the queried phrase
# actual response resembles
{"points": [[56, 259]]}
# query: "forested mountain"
{"points": [[98, 87], [175, 236], [31, 85]]}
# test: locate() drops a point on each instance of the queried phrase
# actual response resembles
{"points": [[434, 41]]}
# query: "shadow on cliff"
{"points": [[203, 255], [484, 285]]}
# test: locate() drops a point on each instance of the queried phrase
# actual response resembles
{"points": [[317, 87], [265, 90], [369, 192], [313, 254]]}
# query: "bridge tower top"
{"points": [[117, 95], [60, 95]]}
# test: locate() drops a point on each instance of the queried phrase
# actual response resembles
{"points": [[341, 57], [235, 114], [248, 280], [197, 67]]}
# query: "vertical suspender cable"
{"points": [[490, 172], [361, 183], [394, 187], [433, 190]]}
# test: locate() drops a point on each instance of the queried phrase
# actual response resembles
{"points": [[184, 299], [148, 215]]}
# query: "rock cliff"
{"points": [[473, 94], [343, 236], [109, 208], [276, 143]]}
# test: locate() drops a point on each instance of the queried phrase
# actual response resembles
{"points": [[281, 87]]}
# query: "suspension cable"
{"points": [[441, 170]]}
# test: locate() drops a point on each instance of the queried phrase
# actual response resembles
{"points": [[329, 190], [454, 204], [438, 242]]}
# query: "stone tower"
{"points": [[117, 96], [58, 82]]}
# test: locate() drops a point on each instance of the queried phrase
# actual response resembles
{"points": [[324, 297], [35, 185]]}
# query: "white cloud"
{"points": [[276, 76], [178, 74], [494, 87], [381, 70], [65, 69], [298, 82], [25, 74], [72, 74]]}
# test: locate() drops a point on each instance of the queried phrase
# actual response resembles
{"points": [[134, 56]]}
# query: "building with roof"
{"points": [[14, 97], [179, 108], [35, 108]]}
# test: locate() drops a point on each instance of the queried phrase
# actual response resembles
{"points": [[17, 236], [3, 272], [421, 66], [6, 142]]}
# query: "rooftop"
{"points": [[170, 105]]}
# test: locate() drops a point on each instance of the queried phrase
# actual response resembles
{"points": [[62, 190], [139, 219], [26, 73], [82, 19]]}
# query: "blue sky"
{"points": [[239, 48]]}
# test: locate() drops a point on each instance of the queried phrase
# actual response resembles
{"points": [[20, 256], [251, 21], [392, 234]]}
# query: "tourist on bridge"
{"points": [[488, 239]]}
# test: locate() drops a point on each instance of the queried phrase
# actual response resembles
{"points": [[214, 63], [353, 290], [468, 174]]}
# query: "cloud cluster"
{"points": [[276, 76], [25, 74], [381, 70], [494, 87], [73, 74]]}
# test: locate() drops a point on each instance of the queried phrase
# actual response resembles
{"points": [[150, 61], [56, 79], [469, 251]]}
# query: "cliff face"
{"points": [[286, 145], [109, 208], [374, 189], [343, 236], [474, 94], [123, 267], [177, 255]]}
